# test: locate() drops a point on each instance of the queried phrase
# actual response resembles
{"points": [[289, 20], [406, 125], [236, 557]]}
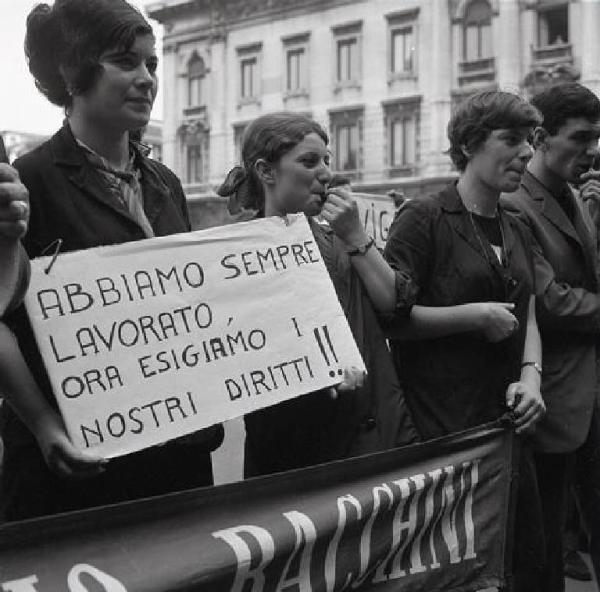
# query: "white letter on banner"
{"points": [[431, 517], [469, 526], [109, 583], [450, 508], [244, 573], [416, 565], [22, 585], [365, 538], [330, 557], [399, 543], [306, 533]]}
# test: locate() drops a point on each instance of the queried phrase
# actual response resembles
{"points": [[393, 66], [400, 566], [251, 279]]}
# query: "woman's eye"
{"points": [[125, 62], [152, 66]]}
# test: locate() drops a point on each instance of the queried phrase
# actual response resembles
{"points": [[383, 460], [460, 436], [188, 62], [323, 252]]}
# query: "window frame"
{"points": [[352, 117], [197, 78], [296, 45], [348, 35], [397, 23], [541, 12], [399, 111], [250, 54], [479, 26]]}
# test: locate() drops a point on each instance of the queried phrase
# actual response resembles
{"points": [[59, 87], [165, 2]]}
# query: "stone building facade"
{"points": [[380, 75]]}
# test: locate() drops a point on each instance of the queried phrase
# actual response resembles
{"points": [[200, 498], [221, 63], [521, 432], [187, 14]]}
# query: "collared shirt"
{"points": [[124, 185]]}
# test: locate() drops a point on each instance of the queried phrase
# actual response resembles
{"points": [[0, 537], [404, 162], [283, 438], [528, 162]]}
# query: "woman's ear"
{"points": [[540, 136], [265, 171], [466, 152]]}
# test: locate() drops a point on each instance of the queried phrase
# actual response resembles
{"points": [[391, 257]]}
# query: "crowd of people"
{"points": [[484, 301]]}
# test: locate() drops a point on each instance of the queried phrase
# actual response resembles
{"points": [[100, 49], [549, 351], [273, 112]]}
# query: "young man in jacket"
{"points": [[567, 296]]}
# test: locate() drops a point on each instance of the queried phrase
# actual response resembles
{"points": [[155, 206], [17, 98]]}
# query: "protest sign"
{"points": [[147, 341], [376, 213], [431, 516]]}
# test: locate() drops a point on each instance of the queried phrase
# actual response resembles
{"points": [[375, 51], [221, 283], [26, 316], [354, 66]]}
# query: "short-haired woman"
{"points": [[471, 347]]}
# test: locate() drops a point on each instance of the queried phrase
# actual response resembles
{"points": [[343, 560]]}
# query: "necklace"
{"points": [[503, 254]]}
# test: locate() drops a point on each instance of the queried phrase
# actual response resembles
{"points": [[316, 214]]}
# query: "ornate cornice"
{"points": [[458, 8], [230, 12]]}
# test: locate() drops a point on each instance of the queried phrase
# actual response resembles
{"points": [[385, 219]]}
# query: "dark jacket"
{"points": [[69, 201], [455, 382], [568, 311]]}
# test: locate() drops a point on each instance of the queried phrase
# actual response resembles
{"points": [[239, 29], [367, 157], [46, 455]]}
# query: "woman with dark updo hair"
{"points": [[90, 185], [285, 170]]}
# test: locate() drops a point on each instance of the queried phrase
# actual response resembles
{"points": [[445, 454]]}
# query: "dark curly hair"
{"points": [[478, 115], [559, 102], [64, 42]]}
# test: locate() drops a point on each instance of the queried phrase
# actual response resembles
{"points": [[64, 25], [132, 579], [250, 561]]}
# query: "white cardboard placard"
{"points": [[151, 340]]}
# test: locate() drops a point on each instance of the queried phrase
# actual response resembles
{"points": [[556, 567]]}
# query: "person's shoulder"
{"points": [[163, 171], [31, 164], [428, 207], [32, 160]]}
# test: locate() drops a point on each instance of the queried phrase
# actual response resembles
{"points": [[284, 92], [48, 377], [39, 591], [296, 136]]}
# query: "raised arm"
{"points": [[341, 212], [14, 215]]}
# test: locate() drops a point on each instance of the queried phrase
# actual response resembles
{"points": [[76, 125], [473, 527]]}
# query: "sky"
{"points": [[22, 107]]}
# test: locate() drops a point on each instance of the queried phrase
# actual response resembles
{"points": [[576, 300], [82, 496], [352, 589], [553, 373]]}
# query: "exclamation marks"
{"points": [[327, 351]]}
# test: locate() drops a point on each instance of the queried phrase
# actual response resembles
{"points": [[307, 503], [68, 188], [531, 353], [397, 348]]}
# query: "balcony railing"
{"points": [[407, 170], [482, 70], [196, 111], [351, 175], [552, 55]]}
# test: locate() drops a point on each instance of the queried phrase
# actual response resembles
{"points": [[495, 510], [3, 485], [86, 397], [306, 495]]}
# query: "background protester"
{"points": [[568, 307], [471, 349], [90, 186], [286, 170]]}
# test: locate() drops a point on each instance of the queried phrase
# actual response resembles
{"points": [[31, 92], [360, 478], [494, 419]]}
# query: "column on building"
{"points": [[437, 89], [507, 41], [170, 111], [589, 44], [221, 137], [374, 88], [528, 19]]}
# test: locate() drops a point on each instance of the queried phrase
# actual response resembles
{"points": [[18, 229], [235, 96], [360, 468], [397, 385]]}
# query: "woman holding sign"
{"points": [[286, 170], [90, 186]]}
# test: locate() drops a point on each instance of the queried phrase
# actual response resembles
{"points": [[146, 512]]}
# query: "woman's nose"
{"points": [[324, 174], [144, 76]]}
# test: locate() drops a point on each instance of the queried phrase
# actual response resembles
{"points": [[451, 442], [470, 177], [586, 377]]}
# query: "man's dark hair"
{"points": [[563, 101]]}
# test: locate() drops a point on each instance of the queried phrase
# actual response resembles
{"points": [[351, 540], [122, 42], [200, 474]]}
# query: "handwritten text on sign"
{"points": [[376, 213], [147, 341]]}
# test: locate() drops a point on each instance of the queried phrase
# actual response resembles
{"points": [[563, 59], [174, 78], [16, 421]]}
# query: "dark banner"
{"points": [[427, 517]]}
